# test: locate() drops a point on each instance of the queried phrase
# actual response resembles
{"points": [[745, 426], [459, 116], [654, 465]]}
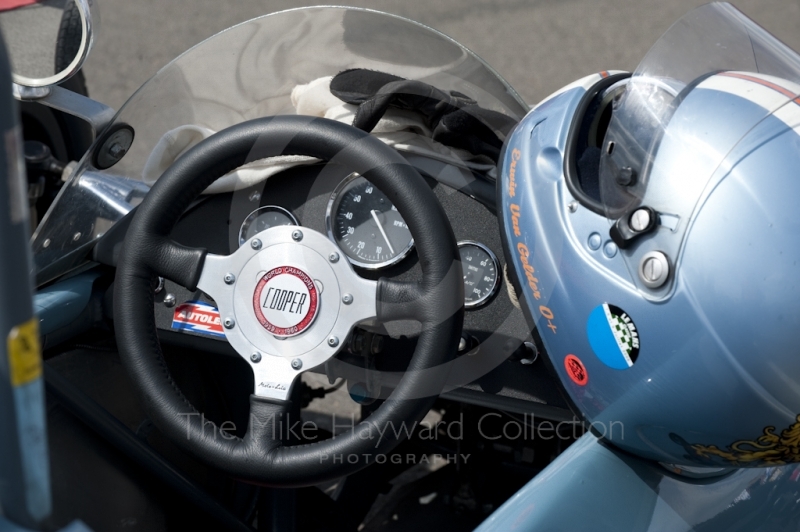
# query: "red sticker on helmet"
{"points": [[286, 301], [576, 370]]}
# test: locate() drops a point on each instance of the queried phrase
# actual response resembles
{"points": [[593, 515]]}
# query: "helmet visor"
{"points": [[707, 82]]}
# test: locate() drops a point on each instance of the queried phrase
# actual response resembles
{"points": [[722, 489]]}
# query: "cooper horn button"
{"points": [[286, 301]]}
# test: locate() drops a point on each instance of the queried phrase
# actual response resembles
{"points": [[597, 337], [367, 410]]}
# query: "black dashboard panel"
{"points": [[490, 368]]}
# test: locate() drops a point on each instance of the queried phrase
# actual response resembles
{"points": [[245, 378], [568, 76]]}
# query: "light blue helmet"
{"points": [[652, 226]]}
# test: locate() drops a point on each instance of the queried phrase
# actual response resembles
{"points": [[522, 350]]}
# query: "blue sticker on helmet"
{"points": [[613, 336]]}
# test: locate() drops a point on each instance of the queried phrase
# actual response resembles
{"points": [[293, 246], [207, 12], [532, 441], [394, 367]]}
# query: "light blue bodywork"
{"points": [[594, 487], [61, 303]]}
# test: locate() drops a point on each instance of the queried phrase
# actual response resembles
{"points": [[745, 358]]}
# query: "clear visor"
{"points": [[707, 82], [272, 65]]}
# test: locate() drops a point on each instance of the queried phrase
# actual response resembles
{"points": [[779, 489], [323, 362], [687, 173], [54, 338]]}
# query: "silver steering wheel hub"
{"points": [[287, 303]]}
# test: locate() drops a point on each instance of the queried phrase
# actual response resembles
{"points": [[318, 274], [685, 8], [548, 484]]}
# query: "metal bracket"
{"points": [[97, 114]]}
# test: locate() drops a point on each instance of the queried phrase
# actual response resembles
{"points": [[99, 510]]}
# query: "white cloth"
{"points": [[403, 130], [176, 142]]}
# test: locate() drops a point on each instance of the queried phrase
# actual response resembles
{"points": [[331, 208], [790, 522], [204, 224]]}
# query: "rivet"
{"points": [[169, 300], [347, 299], [256, 358], [610, 249], [297, 235], [297, 363], [595, 241], [333, 341], [573, 206], [229, 278], [229, 323], [255, 243], [333, 257]]}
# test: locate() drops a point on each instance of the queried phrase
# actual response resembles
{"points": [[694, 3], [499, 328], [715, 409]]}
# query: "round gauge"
{"points": [[263, 218], [366, 225], [481, 277]]}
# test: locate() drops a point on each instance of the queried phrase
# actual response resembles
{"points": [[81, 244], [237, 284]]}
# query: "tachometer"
{"points": [[481, 278], [366, 225], [262, 219]]}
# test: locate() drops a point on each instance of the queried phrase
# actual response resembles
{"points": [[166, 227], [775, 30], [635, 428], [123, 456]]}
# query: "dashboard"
{"points": [[373, 235], [497, 364]]}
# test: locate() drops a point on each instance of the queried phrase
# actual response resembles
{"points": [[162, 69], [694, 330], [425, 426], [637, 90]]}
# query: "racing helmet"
{"points": [[652, 230]]}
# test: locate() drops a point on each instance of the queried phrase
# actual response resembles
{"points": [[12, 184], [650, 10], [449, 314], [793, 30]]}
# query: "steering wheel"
{"points": [[287, 302]]}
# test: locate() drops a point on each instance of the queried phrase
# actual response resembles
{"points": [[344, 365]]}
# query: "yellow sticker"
{"points": [[24, 353]]}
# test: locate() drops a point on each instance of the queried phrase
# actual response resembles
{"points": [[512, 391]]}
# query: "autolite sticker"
{"points": [[198, 317]]}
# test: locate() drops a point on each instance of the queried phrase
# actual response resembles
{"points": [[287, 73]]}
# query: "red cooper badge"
{"points": [[286, 301]]}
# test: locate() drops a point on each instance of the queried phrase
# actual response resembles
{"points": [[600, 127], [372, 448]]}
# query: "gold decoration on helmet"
{"points": [[770, 448]]}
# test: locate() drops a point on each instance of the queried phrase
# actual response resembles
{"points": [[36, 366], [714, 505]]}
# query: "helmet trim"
{"points": [[571, 148]]}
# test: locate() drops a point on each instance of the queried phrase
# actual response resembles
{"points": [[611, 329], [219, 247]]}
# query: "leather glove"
{"points": [[455, 119]]}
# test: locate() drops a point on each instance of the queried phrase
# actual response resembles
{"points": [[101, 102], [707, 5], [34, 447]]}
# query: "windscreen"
{"points": [[267, 66], [711, 78]]}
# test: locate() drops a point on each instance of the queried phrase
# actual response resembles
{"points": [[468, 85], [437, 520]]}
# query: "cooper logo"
{"points": [[285, 301]]}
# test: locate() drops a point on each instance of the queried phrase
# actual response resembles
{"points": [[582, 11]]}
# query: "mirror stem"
{"points": [[97, 114]]}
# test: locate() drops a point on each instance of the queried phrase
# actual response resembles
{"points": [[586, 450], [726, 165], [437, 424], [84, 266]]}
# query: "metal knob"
{"points": [[654, 269]]}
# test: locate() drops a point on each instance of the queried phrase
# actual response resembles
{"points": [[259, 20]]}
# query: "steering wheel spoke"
{"points": [[398, 300], [216, 276], [174, 261]]}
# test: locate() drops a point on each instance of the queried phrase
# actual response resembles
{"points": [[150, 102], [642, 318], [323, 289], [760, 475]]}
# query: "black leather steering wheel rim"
{"points": [[437, 302]]}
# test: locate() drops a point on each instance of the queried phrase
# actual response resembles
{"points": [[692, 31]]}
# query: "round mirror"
{"points": [[47, 40]]}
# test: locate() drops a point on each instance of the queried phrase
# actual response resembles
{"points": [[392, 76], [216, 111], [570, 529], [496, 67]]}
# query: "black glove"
{"points": [[455, 119]]}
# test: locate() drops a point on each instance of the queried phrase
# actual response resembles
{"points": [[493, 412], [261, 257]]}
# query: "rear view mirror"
{"points": [[47, 40]]}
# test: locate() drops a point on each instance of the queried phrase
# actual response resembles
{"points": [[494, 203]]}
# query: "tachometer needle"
{"points": [[386, 238]]}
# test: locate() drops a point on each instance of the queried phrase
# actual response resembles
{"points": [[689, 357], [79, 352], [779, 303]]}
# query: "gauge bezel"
{"points": [[332, 203], [278, 208], [495, 287]]}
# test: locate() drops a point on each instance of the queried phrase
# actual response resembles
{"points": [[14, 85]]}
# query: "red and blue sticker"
{"points": [[198, 317]]}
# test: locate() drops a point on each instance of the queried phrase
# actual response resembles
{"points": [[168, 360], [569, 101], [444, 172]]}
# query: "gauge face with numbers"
{"points": [[262, 219], [480, 268], [366, 225]]}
